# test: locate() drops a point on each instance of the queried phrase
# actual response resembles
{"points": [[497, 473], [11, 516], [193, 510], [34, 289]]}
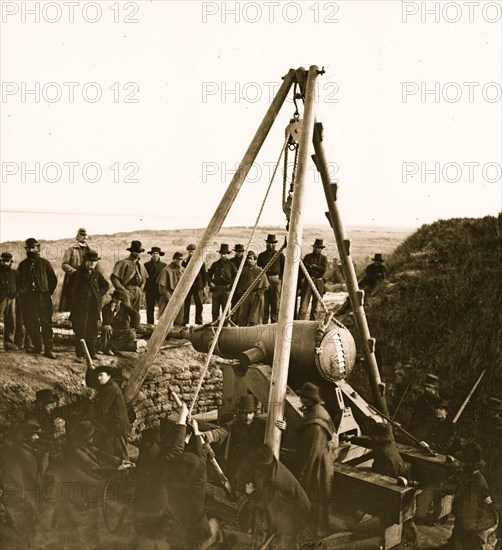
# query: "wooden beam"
{"points": [[282, 347], [177, 299]]}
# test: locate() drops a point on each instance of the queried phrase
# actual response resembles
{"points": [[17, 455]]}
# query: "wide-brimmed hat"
{"points": [[28, 243], [44, 397], [178, 256], [224, 249], [92, 256], [247, 403], [472, 454], [105, 368], [6, 256], [239, 248], [378, 257], [262, 455], [119, 294], [136, 246], [270, 238], [156, 249], [310, 391], [82, 432], [318, 243], [191, 247], [432, 380], [494, 404]]}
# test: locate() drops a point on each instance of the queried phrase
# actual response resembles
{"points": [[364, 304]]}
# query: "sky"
{"points": [[119, 116]]}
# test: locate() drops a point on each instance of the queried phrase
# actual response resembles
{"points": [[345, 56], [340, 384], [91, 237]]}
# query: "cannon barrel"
{"points": [[318, 352]]}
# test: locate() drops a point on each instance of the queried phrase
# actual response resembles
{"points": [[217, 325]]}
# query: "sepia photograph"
{"points": [[250, 275]]}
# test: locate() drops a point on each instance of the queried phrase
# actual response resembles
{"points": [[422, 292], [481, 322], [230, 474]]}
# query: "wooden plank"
{"points": [[424, 467]]}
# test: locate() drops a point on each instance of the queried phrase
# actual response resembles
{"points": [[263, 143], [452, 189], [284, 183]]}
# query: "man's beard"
{"points": [[32, 254]]}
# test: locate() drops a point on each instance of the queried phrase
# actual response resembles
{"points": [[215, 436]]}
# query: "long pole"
{"points": [[176, 302], [468, 398], [355, 295], [282, 347]]}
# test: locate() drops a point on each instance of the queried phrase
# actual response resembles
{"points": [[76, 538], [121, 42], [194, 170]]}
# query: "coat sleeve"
{"points": [[175, 441], [103, 285], [218, 435], [313, 441], [134, 316], [52, 279], [66, 265]]}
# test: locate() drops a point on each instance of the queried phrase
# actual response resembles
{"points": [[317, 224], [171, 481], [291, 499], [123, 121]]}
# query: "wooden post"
{"points": [[177, 299], [290, 278], [366, 341]]}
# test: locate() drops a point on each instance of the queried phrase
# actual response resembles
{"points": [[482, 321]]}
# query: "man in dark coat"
{"points": [[274, 276], [21, 486], [314, 459], [238, 255], [152, 295], [37, 283], [423, 415], [316, 264], [8, 292], [442, 431], [111, 419], [87, 288], [167, 281], [130, 275], [119, 322], [250, 313], [196, 291], [221, 275], [375, 273], [276, 494]]}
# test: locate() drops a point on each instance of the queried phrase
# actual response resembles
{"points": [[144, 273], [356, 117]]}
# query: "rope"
{"points": [[314, 288], [234, 286]]}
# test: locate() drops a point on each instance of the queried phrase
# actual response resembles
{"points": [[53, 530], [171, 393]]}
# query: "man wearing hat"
{"points": [[316, 264], [251, 311], [8, 292], [196, 291], [37, 283], [274, 275], [167, 281], [130, 275], [424, 410], [286, 508], [221, 275], [238, 255], [87, 287], [153, 267], [375, 273], [242, 435], [110, 419], [314, 461], [119, 323], [442, 431], [73, 258]]}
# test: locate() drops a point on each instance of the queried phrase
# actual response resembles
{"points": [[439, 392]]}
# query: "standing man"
{"points": [[442, 431], [8, 293], [250, 312], [423, 415], [87, 288], [274, 275], [221, 275], [73, 258], [316, 264], [153, 268], [167, 281], [375, 273], [130, 275], [37, 283], [196, 291]]}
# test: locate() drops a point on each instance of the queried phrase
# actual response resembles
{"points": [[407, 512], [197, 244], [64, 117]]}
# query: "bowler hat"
{"points": [[239, 248], [262, 455], [156, 249], [28, 243], [6, 256], [432, 380], [224, 249], [270, 238], [44, 397], [178, 256], [378, 257], [136, 247], [82, 432], [119, 294], [310, 391], [319, 243], [247, 403], [472, 453], [494, 404], [191, 247], [92, 256]]}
